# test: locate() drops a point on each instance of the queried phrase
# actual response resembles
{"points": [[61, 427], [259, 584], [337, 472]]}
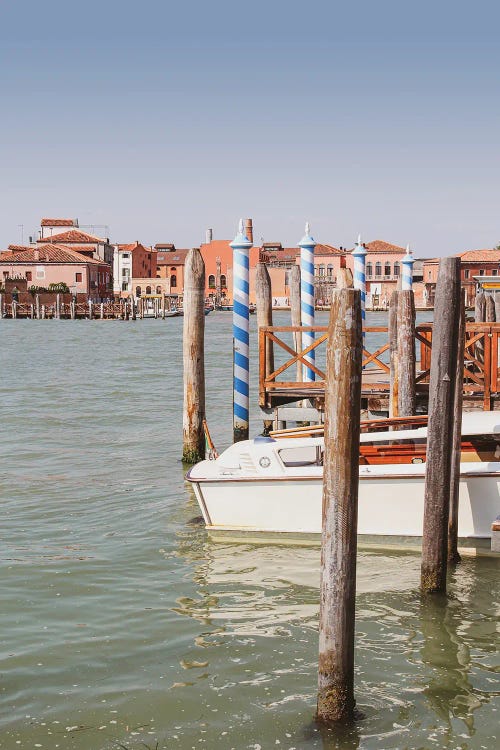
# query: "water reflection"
{"points": [[255, 590], [414, 670], [449, 690]]}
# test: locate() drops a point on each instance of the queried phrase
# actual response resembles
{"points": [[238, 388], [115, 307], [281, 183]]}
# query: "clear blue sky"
{"points": [[161, 119]]}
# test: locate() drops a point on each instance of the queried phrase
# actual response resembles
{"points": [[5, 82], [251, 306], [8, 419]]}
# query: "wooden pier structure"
{"points": [[281, 386]]}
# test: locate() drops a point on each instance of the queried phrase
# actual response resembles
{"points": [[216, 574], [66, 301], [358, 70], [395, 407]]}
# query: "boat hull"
{"points": [[387, 506]]}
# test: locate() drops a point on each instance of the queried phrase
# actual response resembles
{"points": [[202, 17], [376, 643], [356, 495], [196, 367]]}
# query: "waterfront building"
{"points": [[383, 271], [474, 263], [144, 287], [132, 261], [170, 263], [49, 264], [86, 244], [218, 257]]}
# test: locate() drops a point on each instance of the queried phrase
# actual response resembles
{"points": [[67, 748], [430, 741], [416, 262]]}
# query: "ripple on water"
{"points": [[123, 625]]}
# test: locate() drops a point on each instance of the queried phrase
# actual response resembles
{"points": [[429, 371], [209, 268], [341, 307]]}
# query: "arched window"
{"points": [[321, 269], [223, 282], [387, 269], [211, 281], [173, 281], [158, 289], [138, 291], [396, 269], [378, 269], [369, 270], [329, 270], [148, 290]]}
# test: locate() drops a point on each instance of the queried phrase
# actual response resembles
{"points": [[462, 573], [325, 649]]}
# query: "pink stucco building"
{"points": [[53, 264]]}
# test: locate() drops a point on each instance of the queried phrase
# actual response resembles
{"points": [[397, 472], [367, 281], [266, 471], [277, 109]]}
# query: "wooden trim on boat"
{"points": [[420, 420], [362, 477]]}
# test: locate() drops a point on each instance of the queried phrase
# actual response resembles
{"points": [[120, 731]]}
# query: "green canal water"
{"points": [[124, 626]]}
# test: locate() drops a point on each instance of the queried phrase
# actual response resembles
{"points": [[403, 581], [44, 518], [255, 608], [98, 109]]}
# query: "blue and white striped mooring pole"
{"points": [[241, 248], [307, 245], [359, 255], [407, 276]]}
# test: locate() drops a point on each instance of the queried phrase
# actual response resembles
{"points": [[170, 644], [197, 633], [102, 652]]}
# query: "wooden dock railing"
{"points": [[481, 363]]}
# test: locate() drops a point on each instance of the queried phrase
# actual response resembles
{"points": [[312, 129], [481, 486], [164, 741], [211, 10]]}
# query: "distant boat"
{"points": [[177, 312]]}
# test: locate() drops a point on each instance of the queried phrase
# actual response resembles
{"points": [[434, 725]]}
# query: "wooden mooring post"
{"points": [[37, 306], [406, 391], [490, 312], [264, 300], [440, 427], [402, 358], [72, 309], [480, 317], [340, 509], [393, 354], [1, 306], [193, 351]]}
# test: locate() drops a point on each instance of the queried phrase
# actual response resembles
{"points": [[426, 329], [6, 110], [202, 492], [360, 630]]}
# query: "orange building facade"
{"points": [[475, 263]]}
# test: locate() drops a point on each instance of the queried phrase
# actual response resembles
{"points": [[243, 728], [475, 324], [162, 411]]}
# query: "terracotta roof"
{"points": [[327, 250], [73, 236], [129, 248], [59, 223], [49, 253], [19, 248], [215, 245], [484, 256], [82, 249], [171, 257], [379, 246], [166, 246], [287, 255], [282, 253]]}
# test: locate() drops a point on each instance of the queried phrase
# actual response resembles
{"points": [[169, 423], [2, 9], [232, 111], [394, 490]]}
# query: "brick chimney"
{"points": [[249, 230]]}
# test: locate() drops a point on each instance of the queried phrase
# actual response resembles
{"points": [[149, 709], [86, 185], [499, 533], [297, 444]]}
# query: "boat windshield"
{"points": [[304, 455]]}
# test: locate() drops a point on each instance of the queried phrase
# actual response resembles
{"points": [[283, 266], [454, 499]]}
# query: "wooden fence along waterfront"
{"points": [[59, 309], [481, 370]]}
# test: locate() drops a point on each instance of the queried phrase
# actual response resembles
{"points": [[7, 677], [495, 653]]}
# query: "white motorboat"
{"points": [[274, 484]]}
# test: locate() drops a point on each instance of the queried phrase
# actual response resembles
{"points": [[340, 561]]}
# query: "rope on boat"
{"points": [[211, 450]]}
